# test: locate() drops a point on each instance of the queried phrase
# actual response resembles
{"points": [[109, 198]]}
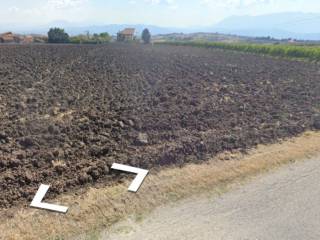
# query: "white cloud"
{"points": [[171, 4], [63, 4], [49, 10], [156, 2], [153, 2], [14, 9], [234, 3]]}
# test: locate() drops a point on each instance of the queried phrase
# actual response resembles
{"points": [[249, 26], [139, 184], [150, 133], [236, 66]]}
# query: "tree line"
{"points": [[58, 35]]}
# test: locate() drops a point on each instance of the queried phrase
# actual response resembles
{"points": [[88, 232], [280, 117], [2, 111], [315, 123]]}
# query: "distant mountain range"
{"points": [[280, 25], [304, 26]]}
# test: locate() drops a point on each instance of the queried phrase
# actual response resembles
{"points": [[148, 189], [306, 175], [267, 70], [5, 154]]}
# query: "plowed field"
{"points": [[68, 112]]}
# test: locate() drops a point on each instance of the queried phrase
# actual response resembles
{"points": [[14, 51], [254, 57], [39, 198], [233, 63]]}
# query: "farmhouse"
{"points": [[27, 39], [7, 37], [10, 37], [126, 35]]}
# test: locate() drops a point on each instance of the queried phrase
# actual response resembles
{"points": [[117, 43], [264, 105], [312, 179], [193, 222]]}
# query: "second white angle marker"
{"points": [[141, 174]]}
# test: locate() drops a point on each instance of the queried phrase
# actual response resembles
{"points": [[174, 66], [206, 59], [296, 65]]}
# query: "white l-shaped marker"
{"points": [[135, 185], [37, 201]]}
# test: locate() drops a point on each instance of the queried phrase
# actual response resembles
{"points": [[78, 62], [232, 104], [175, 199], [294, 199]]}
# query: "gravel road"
{"points": [[283, 204]]}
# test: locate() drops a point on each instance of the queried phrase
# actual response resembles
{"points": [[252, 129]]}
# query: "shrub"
{"points": [[91, 39], [146, 36], [57, 35]]}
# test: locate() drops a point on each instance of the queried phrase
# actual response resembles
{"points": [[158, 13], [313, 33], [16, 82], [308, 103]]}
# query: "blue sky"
{"points": [[180, 13]]}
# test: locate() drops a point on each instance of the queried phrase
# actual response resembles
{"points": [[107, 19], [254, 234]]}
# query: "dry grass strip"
{"points": [[96, 209]]}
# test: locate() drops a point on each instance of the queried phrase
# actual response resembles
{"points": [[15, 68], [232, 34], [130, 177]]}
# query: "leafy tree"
{"points": [[146, 36], [105, 35], [57, 35]]}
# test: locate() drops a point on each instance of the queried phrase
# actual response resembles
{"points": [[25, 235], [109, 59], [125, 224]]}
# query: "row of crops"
{"points": [[289, 51]]}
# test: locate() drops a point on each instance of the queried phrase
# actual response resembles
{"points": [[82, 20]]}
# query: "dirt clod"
{"points": [[142, 138], [316, 122], [27, 142]]}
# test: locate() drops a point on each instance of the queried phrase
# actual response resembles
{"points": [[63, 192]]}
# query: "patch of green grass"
{"points": [[93, 236], [139, 217], [57, 238], [282, 50]]}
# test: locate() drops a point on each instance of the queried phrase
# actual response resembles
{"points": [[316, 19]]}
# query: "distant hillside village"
{"points": [[57, 35], [10, 37]]}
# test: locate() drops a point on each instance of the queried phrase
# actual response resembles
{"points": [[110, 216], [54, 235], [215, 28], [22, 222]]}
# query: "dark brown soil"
{"points": [[68, 112]]}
